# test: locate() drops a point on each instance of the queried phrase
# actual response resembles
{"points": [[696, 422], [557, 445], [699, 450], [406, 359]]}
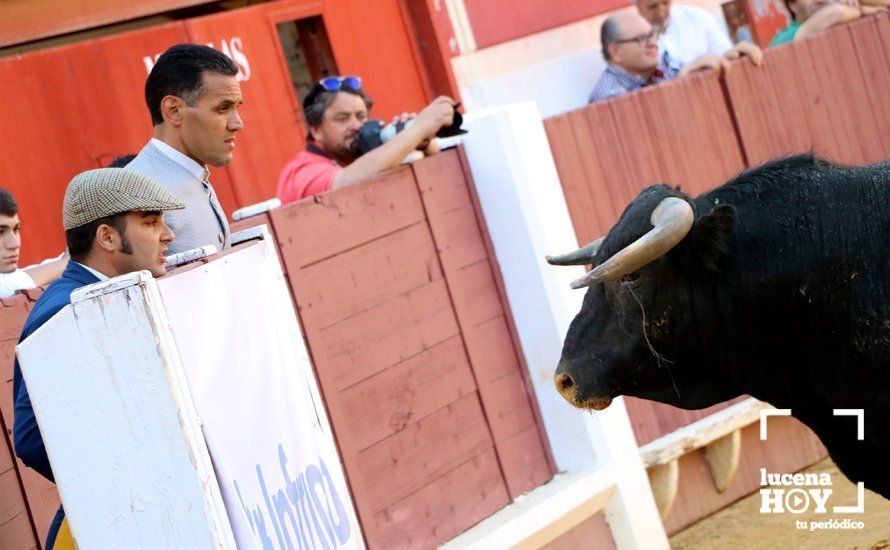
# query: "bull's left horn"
{"points": [[672, 219], [582, 256]]}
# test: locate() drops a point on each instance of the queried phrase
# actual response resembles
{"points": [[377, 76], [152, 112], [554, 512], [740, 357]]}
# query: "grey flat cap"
{"points": [[105, 192]]}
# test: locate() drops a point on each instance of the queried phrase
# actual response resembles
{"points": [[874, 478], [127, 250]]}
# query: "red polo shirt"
{"points": [[310, 172]]}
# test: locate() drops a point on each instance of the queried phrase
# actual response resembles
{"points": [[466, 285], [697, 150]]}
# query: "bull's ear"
{"points": [[708, 240]]}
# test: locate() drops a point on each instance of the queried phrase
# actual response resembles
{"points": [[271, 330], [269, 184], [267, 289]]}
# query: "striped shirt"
{"points": [[616, 81]]}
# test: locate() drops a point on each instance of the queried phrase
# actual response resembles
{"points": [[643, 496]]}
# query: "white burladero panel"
{"points": [[263, 418], [119, 425], [152, 370]]}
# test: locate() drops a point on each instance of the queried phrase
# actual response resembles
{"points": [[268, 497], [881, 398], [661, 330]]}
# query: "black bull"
{"points": [[775, 285]]}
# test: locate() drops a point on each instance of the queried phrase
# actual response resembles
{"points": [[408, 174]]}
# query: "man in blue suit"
{"points": [[114, 224]]}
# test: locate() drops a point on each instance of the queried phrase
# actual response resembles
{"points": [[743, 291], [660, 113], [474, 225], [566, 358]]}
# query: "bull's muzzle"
{"points": [[569, 390]]}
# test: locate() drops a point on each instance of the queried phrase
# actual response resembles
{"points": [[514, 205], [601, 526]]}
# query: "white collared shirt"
{"points": [[200, 172], [692, 32], [98, 275]]}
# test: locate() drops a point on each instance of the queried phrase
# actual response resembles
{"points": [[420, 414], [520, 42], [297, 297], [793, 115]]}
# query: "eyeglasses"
{"points": [[641, 40], [337, 83]]}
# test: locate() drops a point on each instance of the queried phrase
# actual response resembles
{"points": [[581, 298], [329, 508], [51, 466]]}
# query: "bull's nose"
{"points": [[565, 386]]}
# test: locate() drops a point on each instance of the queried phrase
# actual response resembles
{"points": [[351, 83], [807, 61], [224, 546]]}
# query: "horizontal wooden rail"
{"points": [[702, 432], [542, 515]]}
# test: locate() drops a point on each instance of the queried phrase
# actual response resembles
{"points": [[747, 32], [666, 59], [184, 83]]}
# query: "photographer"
{"points": [[335, 109]]}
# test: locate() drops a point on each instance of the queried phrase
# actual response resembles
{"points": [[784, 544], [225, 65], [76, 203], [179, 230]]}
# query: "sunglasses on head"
{"points": [[337, 83]]}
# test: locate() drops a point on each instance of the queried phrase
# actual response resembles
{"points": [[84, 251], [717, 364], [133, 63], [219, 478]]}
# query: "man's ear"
{"points": [[171, 108], [708, 240], [106, 238], [613, 53], [315, 132]]}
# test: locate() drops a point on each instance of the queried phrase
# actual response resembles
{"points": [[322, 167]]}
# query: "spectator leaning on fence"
{"points": [[811, 16], [12, 278], [335, 108], [193, 95], [630, 48], [686, 33], [114, 224]]}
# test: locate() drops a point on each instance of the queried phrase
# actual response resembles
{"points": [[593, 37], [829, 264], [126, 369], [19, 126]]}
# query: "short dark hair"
{"points": [[609, 34], [8, 205], [80, 239], [121, 161], [180, 72], [321, 100]]}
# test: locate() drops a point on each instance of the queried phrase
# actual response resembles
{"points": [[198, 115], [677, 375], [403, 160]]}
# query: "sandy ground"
{"points": [[743, 526]]}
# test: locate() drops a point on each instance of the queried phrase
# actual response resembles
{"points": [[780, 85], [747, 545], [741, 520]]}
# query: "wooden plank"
{"points": [[572, 175], [476, 299], [458, 237], [360, 278], [424, 451], [311, 230], [652, 420], [428, 517], [741, 85], [388, 402], [491, 350], [597, 138], [543, 515], [377, 338], [702, 432], [851, 120], [636, 146], [506, 405], [610, 183], [874, 65], [525, 458]]}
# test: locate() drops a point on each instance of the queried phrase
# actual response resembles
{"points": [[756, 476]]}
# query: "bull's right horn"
{"points": [[582, 256], [672, 219]]}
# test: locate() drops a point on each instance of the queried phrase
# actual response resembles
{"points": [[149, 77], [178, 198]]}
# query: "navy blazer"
{"points": [[26, 434]]}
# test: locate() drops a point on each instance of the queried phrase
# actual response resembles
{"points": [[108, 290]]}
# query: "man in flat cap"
{"points": [[114, 224]]}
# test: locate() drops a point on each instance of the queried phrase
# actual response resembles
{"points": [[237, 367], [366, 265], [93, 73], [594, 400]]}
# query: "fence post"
{"points": [[527, 217]]}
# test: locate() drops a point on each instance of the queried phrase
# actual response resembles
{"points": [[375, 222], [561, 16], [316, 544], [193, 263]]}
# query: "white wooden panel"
{"points": [[119, 425]]}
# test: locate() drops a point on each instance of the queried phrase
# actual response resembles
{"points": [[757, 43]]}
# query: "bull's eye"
{"points": [[630, 278]]}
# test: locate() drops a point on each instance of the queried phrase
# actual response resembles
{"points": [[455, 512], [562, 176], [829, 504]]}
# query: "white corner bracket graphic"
{"points": [[860, 420], [860, 486], [860, 502], [766, 413]]}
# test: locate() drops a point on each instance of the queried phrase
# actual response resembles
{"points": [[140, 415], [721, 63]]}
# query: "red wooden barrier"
{"points": [[408, 334], [29, 500], [828, 93]]}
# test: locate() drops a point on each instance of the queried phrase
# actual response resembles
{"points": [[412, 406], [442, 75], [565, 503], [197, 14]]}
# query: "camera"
{"points": [[374, 133]]}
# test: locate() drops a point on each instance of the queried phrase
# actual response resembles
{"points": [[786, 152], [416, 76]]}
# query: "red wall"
{"points": [[75, 107], [496, 21]]}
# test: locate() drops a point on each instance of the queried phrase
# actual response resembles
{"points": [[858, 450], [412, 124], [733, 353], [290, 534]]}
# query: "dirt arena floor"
{"points": [[743, 526]]}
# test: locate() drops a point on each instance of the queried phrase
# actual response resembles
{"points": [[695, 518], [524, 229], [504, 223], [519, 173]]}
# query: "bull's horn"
{"points": [[672, 219], [582, 256]]}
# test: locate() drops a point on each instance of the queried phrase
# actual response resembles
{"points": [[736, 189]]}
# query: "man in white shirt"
{"points": [[687, 33], [193, 96], [12, 278]]}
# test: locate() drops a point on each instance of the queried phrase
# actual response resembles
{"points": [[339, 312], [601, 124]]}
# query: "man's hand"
{"points": [[833, 14], [434, 116], [752, 51], [707, 61]]}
